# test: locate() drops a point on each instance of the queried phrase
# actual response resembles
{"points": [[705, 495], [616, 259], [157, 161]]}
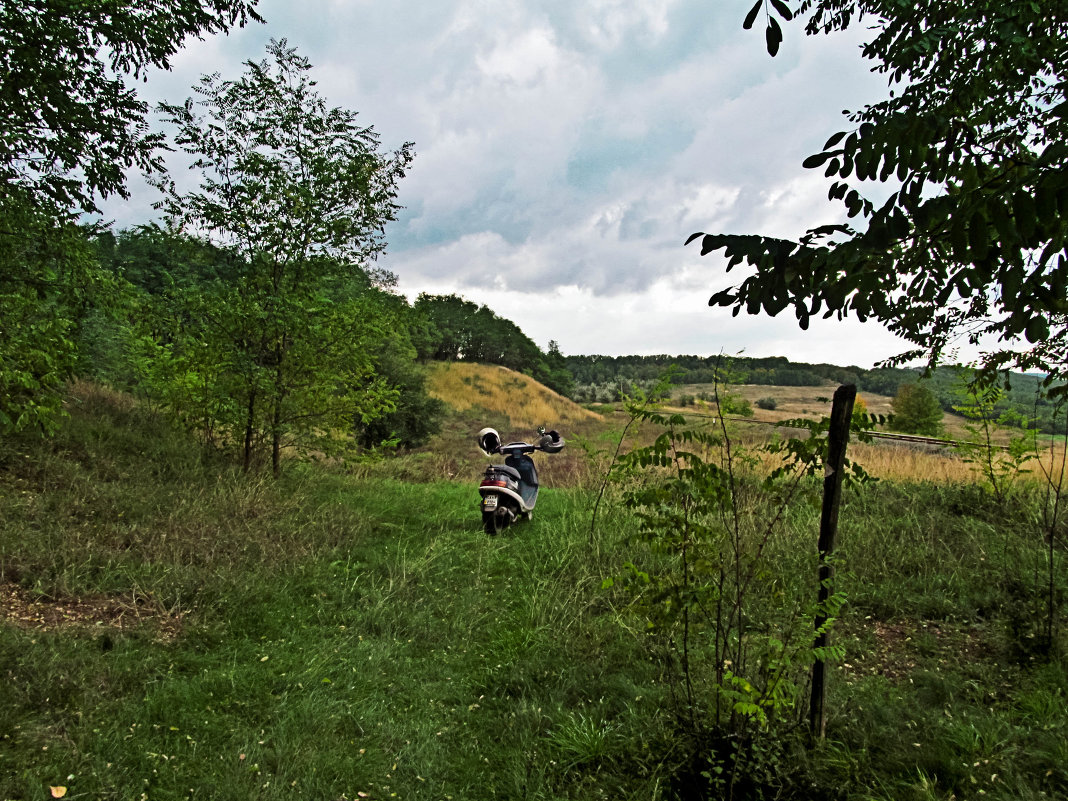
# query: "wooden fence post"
{"points": [[837, 437]]}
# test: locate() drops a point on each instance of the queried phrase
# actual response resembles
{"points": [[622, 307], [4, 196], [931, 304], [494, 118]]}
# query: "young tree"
{"points": [[973, 142], [917, 411], [300, 193]]}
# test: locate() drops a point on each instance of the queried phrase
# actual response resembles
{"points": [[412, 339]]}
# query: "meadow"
{"points": [[175, 628]]}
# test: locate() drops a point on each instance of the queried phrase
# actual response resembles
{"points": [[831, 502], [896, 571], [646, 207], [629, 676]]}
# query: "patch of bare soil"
{"points": [[99, 613], [901, 647]]}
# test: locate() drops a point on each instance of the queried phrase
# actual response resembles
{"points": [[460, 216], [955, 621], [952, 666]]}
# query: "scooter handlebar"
{"points": [[489, 442]]}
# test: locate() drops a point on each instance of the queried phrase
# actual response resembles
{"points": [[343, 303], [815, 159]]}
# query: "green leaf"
{"points": [[815, 161], [958, 238], [834, 140], [1003, 224], [773, 36], [750, 18], [978, 237], [783, 9], [1023, 211], [1037, 330]]}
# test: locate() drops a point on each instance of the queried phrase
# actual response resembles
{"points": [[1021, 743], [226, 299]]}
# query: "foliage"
{"points": [[459, 330], [972, 144], [552, 371], [735, 626], [466, 331], [1054, 528], [47, 277], [767, 403], [731, 404], [72, 127], [416, 415], [860, 411], [916, 410], [299, 194]]}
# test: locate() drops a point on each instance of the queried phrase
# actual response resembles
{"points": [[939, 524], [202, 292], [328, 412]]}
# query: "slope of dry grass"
{"points": [[528, 404]]}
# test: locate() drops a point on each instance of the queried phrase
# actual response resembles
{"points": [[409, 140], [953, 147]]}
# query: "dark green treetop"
{"points": [[972, 142], [72, 126], [917, 411]]}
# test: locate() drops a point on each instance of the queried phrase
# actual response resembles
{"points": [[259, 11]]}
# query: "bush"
{"points": [[734, 405], [767, 403]]}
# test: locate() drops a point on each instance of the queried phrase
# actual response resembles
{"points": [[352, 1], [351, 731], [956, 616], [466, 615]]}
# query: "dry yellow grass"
{"points": [[896, 461], [528, 404], [815, 402]]}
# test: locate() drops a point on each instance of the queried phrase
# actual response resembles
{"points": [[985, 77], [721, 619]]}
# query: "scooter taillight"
{"points": [[493, 482]]}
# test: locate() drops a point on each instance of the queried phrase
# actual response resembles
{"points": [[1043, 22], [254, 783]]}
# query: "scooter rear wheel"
{"points": [[496, 521]]}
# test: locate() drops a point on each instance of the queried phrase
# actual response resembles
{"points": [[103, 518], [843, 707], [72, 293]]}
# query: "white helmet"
{"points": [[489, 441]]}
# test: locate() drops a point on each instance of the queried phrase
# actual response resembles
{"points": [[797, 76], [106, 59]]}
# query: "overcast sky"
{"points": [[565, 150]]}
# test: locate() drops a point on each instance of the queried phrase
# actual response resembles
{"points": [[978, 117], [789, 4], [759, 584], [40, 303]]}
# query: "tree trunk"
{"points": [[250, 420], [276, 439]]}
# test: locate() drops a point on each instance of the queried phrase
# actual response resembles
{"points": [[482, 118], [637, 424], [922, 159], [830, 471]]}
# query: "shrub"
{"points": [[767, 403], [917, 411], [732, 404]]}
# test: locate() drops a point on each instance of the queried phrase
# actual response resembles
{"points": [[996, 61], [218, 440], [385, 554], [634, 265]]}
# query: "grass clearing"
{"points": [[175, 629]]}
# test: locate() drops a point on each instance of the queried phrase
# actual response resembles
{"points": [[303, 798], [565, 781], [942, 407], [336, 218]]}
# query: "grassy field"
{"points": [[172, 628]]}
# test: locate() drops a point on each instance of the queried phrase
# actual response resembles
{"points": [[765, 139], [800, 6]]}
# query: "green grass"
{"points": [[331, 636], [403, 651]]}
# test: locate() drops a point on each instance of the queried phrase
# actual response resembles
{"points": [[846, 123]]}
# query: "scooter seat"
{"points": [[509, 471]]}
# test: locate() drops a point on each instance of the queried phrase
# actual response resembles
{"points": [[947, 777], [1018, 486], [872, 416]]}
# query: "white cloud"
{"points": [[522, 60]]}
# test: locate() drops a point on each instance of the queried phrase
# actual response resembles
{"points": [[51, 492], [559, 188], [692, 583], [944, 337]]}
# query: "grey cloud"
{"points": [[564, 144]]}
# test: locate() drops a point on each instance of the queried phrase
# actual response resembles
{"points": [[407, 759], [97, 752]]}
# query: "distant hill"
{"points": [[528, 404]]}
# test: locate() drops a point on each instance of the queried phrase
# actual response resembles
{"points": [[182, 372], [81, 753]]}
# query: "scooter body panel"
{"points": [[499, 486]]}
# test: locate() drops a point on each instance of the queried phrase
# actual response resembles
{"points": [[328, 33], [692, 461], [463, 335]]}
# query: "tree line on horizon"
{"points": [[1025, 401]]}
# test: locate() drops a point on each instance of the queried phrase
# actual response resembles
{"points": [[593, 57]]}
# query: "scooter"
{"points": [[510, 490]]}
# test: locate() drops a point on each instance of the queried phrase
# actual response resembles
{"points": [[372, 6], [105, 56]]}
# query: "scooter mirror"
{"points": [[551, 442]]}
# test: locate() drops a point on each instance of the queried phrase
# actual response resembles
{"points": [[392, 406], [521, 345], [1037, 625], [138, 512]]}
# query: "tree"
{"points": [[469, 332], [973, 144], [554, 373], [46, 273], [300, 194], [71, 129], [916, 410]]}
